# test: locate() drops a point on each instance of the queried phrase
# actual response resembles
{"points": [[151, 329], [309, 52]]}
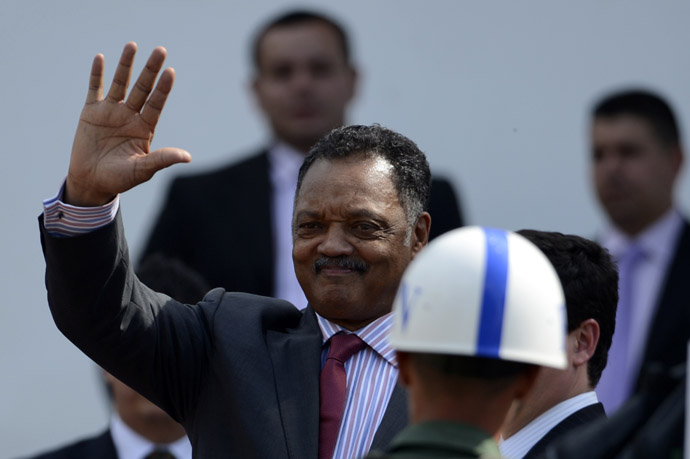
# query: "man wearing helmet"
{"points": [[563, 400], [477, 314]]}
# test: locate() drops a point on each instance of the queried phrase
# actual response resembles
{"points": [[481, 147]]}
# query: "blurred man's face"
{"points": [[303, 83], [633, 171], [141, 415]]}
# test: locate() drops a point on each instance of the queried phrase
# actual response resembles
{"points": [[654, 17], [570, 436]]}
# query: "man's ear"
{"points": [[353, 83], [255, 85], [526, 381], [420, 237], [586, 338], [677, 158], [403, 367]]}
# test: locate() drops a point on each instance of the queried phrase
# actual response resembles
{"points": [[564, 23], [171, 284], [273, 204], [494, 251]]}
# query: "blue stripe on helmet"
{"points": [[494, 294]]}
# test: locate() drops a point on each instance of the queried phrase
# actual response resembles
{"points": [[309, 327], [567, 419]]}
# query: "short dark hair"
{"points": [[589, 277], [172, 277], [644, 104], [470, 366], [411, 175], [298, 17]]}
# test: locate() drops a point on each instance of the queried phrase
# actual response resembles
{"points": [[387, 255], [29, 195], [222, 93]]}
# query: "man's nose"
{"points": [[335, 243], [302, 80]]}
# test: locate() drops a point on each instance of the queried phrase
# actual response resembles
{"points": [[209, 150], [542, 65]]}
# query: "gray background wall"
{"points": [[495, 92]]}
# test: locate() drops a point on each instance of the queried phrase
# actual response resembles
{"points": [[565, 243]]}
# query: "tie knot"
{"points": [[632, 255], [160, 453], [344, 346]]}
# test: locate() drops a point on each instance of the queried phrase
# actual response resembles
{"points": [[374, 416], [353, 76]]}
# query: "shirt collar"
{"points": [[285, 162], [524, 439], [464, 440], [376, 335], [656, 241], [130, 444]]}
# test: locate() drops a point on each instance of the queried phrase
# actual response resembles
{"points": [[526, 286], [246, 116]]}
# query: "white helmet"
{"points": [[482, 292]]}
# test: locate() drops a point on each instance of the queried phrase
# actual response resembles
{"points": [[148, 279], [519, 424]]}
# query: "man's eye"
{"points": [[282, 72], [321, 69], [308, 226], [630, 151], [365, 228]]}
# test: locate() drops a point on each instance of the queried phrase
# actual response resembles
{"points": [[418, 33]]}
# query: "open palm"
{"points": [[111, 150]]}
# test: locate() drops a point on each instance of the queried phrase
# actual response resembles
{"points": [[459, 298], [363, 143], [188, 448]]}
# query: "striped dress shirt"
{"points": [[372, 375], [62, 219]]}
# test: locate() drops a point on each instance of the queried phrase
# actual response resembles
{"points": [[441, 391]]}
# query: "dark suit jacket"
{"points": [[240, 372], [670, 331], [219, 224], [101, 447], [578, 419]]}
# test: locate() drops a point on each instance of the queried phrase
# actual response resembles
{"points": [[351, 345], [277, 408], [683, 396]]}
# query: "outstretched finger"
{"points": [[142, 88], [152, 110], [160, 159], [123, 73], [95, 92]]}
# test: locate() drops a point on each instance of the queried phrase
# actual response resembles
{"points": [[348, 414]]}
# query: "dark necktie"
{"points": [[332, 390], [160, 453]]}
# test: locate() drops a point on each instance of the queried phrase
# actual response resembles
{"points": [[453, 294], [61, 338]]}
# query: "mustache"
{"points": [[344, 262]]}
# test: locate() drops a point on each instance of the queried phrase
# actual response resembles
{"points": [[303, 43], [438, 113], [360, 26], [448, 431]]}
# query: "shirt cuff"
{"points": [[60, 219]]}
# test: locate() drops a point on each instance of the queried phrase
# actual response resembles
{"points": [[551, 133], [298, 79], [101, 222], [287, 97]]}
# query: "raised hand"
{"points": [[111, 152]]}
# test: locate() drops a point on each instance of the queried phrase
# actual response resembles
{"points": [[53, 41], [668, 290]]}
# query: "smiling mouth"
{"points": [[332, 271]]}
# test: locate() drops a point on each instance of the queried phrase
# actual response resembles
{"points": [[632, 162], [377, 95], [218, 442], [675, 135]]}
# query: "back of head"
{"points": [[589, 278], [482, 293], [172, 277], [646, 105], [411, 174]]}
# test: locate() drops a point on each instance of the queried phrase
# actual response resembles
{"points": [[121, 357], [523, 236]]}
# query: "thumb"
{"points": [[164, 157]]}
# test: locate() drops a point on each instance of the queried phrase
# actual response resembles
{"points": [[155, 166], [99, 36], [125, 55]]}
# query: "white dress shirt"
{"points": [[131, 445], [524, 439], [284, 162], [658, 244]]}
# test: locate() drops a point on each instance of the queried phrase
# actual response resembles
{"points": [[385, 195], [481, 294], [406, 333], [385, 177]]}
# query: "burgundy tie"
{"points": [[333, 390]]}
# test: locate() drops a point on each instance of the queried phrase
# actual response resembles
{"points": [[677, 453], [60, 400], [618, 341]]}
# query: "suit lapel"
{"points": [[261, 206], [580, 418], [394, 419], [670, 328], [240, 192], [101, 447], [295, 355]]}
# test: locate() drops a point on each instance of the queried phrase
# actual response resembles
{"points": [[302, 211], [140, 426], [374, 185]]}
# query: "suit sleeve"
{"points": [[157, 346]]}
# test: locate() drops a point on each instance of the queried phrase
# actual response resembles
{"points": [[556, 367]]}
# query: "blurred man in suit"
{"points": [[637, 155], [563, 400], [304, 79], [139, 429]]}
